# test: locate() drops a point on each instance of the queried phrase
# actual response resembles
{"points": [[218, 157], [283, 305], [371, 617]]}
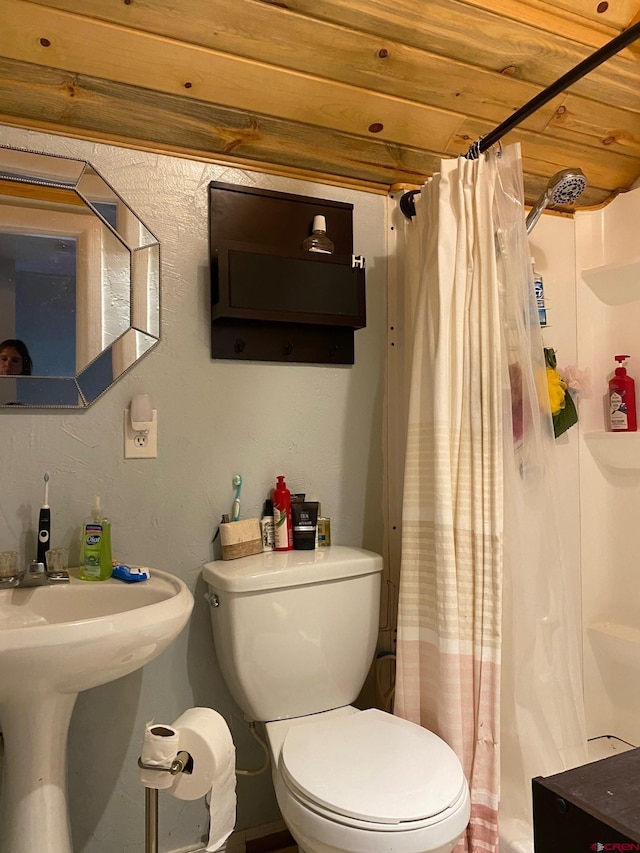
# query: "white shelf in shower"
{"points": [[615, 284], [616, 449], [620, 642]]}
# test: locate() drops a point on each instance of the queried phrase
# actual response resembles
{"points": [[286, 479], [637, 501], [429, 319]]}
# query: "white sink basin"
{"points": [[54, 642], [71, 637]]}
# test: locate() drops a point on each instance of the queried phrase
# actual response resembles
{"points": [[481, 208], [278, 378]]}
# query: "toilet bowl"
{"points": [[295, 633], [350, 781]]}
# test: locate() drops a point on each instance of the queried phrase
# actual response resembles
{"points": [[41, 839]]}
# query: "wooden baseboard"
{"points": [[269, 838], [277, 842]]}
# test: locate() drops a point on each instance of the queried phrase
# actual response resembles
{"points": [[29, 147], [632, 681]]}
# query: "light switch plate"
{"points": [[138, 445]]}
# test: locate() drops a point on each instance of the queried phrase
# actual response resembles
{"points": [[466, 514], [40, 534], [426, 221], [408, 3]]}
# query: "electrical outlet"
{"points": [[140, 445]]}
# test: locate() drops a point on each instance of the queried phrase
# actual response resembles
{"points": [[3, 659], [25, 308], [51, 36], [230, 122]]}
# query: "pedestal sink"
{"points": [[54, 642]]}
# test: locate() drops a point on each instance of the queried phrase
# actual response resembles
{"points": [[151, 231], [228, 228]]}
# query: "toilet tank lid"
{"points": [[278, 569]]}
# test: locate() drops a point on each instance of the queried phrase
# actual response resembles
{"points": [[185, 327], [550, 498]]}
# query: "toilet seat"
{"points": [[372, 770], [457, 808]]}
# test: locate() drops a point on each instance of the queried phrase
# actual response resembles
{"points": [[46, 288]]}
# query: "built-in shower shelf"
{"points": [[621, 643], [615, 284], [616, 449]]}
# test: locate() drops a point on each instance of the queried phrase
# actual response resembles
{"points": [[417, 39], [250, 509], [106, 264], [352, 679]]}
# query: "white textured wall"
{"points": [[320, 426], [610, 496], [552, 244]]}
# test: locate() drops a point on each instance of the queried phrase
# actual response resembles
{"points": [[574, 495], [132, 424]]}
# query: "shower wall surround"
{"points": [[216, 419], [608, 296]]}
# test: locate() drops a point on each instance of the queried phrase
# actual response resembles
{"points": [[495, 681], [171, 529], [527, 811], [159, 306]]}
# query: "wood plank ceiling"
{"points": [[369, 93]]}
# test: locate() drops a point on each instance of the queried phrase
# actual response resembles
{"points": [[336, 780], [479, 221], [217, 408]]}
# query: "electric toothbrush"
{"points": [[44, 523], [235, 510]]}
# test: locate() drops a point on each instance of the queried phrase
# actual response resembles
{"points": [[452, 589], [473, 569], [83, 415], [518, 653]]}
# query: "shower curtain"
{"points": [[478, 526]]}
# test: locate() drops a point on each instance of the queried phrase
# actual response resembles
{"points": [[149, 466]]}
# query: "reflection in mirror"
{"points": [[79, 281]]}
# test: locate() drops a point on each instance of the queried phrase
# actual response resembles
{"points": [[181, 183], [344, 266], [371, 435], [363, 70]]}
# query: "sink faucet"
{"points": [[35, 575]]}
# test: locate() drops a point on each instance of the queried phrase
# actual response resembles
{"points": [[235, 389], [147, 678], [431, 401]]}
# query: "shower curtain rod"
{"points": [[407, 205]]}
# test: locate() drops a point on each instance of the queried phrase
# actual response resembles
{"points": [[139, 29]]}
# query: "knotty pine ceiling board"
{"points": [[357, 92]]}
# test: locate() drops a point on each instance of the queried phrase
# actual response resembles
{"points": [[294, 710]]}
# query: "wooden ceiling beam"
{"points": [[82, 45], [414, 64], [486, 35], [77, 105], [227, 81], [373, 91], [59, 102]]}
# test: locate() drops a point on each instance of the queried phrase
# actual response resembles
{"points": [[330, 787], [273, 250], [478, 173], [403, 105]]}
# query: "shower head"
{"points": [[563, 188]]}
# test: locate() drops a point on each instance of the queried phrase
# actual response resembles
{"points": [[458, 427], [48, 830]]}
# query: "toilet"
{"points": [[295, 633]]}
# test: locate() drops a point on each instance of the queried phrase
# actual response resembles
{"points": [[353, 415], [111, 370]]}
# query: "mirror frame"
{"points": [[133, 328]]}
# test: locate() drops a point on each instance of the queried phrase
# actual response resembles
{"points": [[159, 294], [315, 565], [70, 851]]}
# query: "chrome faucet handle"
{"points": [[56, 565], [61, 576], [35, 575]]}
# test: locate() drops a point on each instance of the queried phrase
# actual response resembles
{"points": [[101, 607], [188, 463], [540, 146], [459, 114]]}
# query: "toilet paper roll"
{"points": [[204, 734], [159, 749]]}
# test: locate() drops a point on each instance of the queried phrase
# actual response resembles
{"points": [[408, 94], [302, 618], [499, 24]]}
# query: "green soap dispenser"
{"points": [[95, 546]]}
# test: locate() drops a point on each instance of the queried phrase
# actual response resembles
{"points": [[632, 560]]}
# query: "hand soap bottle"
{"points": [[622, 399], [283, 531], [95, 546]]}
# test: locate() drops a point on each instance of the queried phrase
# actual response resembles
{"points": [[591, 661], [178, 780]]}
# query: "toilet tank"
{"points": [[295, 631]]}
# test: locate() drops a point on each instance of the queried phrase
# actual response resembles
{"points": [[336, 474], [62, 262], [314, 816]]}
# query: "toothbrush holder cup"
{"points": [[57, 560], [8, 564]]}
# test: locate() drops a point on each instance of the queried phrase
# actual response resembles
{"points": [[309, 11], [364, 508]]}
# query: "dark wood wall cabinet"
{"points": [[271, 300], [592, 807]]}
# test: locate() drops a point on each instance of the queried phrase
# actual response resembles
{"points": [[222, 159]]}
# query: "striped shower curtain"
{"points": [[449, 621]]}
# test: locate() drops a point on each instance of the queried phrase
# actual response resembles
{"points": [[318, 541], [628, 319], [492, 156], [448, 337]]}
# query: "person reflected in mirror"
{"points": [[14, 358]]}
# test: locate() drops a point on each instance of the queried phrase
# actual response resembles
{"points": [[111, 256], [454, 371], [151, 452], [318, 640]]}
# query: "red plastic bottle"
{"points": [[622, 400], [282, 528]]}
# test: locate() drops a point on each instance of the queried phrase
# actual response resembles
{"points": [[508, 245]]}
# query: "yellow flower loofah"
{"points": [[563, 409], [557, 391]]}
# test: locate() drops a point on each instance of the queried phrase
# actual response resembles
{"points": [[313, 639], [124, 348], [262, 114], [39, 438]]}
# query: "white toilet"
{"points": [[295, 633]]}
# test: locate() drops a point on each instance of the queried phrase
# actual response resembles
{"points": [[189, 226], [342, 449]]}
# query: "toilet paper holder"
{"points": [[182, 763], [194, 757]]}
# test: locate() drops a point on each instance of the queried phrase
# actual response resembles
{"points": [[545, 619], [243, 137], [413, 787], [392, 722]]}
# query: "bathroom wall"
{"points": [[320, 426], [591, 271], [608, 262], [552, 244]]}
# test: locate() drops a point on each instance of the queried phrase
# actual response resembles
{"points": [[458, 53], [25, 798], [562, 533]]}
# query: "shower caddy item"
{"points": [[622, 399]]}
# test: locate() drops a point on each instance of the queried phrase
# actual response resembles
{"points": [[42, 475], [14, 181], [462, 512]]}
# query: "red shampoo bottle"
{"points": [[283, 531], [622, 399]]}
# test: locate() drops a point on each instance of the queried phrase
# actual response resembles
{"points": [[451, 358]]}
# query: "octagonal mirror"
{"points": [[79, 282]]}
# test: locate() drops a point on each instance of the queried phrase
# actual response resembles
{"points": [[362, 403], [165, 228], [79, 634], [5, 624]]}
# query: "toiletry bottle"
{"points": [[95, 546], [266, 526], [324, 532], [538, 286], [283, 531], [622, 399], [304, 519]]}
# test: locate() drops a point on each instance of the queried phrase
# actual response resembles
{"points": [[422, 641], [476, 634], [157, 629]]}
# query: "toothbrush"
{"points": [[235, 510], [44, 523]]}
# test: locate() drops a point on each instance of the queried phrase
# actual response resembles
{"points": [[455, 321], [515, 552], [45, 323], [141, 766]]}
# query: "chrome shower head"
{"points": [[563, 188]]}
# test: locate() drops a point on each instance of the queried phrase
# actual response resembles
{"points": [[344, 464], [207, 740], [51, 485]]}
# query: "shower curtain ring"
{"points": [[474, 150]]}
